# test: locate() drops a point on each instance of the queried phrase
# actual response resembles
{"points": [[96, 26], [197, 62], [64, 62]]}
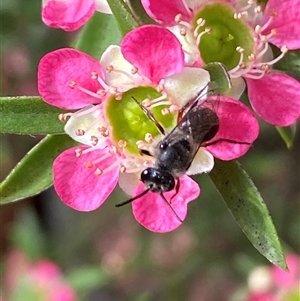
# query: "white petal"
{"points": [[129, 181], [237, 88], [88, 119], [113, 56], [186, 85], [191, 52], [203, 162], [102, 6]]}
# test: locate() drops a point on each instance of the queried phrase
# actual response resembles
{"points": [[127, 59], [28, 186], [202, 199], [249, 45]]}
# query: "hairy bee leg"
{"points": [[150, 116], [163, 197]]}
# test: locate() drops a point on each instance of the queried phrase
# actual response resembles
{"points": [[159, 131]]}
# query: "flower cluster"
{"points": [[162, 68], [41, 280], [275, 284]]}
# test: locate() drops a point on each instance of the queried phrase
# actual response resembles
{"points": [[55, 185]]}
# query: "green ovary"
{"points": [[128, 121], [226, 35]]}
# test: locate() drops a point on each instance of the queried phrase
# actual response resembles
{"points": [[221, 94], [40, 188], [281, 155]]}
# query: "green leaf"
{"points": [[33, 173], [248, 209], [125, 18], [289, 64], [287, 134], [29, 115], [100, 32]]}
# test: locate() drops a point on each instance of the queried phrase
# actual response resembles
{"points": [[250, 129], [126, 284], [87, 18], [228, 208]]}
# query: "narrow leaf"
{"points": [[287, 134], [100, 32], [33, 173], [248, 209], [29, 115], [138, 9], [125, 18]]}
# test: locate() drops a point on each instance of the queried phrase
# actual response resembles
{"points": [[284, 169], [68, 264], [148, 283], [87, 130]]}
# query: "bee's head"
{"points": [[157, 180]]}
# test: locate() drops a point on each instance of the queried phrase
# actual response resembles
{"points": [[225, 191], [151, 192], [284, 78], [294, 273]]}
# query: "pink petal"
{"points": [[285, 22], [154, 50], [237, 124], [275, 98], [67, 14], [154, 214], [77, 185], [58, 68], [288, 280], [164, 11]]}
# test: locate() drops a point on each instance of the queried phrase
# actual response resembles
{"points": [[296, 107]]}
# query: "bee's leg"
{"points": [[150, 116], [223, 140], [177, 187], [145, 152]]}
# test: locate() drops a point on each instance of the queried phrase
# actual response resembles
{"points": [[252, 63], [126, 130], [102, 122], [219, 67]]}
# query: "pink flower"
{"points": [[70, 15], [238, 35], [112, 131], [41, 280], [275, 284]]}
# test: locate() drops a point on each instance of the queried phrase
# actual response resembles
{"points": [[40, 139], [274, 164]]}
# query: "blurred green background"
{"points": [[106, 254]]}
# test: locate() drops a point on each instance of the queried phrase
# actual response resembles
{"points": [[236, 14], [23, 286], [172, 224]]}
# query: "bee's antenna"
{"points": [[150, 116], [163, 197], [132, 199]]}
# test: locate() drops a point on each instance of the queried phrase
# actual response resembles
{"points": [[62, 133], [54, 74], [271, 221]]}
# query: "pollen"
{"points": [[103, 131], [89, 164], [98, 172], [72, 84], [94, 140], [78, 152], [122, 143], [79, 132], [94, 75]]}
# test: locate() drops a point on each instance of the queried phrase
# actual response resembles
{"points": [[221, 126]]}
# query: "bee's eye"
{"points": [[164, 145]]}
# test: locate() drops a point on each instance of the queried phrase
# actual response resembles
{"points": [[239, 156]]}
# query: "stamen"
{"points": [[171, 110], [206, 30], [140, 144], [159, 101], [200, 23], [111, 68], [238, 67], [78, 152]]}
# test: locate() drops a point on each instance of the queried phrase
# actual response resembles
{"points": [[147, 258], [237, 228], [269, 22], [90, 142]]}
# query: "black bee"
{"points": [[175, 153]]}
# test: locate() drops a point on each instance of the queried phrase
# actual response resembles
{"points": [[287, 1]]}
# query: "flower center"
{"points": [[226, 33], [130, 123]]}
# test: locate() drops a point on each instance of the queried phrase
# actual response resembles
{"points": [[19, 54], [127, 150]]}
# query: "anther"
{"points": [[284, 49], [101, 92], [200, 22], [273, 13], [122, 143], [78, 152], [113, 150], [94, 75], [134, 70], [110, 68], [72, 84], [140, 144], [240, 49], [98, 172], [257, 9], [94, 140], [183, 31], [103, 131], [165, 111], [118, 96], [149, 138], [273, 31], [89, 164], [178, 18], [79, 132], [63, 117], [122, 168]]}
